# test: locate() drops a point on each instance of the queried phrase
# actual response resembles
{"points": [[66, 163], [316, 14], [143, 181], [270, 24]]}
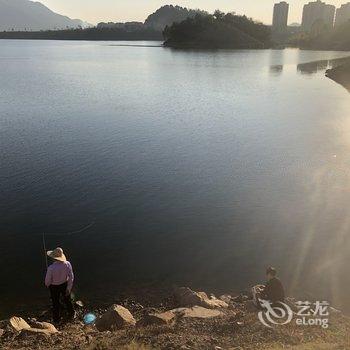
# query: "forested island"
{"points": [[218, 31]]}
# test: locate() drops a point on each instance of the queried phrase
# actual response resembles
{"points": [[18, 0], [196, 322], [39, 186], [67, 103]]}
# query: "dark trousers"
{"points": [[58, 292]]}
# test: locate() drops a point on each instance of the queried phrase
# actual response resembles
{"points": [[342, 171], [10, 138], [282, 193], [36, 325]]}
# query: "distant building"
{"points": [[318, 14], [343, 14], [280, 17]]}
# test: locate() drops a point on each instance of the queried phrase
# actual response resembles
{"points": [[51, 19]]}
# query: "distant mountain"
{"points": [[29, 15], [167, 15]]}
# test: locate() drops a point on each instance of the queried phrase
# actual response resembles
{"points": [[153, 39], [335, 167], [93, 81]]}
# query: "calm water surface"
{"points": [[196, 168]]}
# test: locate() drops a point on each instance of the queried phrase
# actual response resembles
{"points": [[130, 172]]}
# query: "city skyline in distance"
{"points": [[95, 11]]}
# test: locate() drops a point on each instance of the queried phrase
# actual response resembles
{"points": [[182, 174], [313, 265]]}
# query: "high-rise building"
{"points": [[280, 17], [319, 13], [343, 14]]}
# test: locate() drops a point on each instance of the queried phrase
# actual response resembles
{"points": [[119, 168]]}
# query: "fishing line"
{"points": [[72, 232], [44, 234]]}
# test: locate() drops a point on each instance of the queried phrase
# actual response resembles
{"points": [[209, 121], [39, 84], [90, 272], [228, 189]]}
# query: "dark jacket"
{"points": [[274, 290]]}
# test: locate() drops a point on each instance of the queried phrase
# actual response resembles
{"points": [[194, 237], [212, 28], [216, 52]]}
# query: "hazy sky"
{"points": [[95, 11]]}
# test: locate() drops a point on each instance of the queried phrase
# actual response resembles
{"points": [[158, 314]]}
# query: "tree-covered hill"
{"points": [[217, 31], [167, 15]]}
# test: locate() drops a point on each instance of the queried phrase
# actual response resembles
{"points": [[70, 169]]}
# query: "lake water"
{"points": [[195, 168]]}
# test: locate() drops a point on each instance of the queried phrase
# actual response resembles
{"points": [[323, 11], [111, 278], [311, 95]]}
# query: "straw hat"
{"points": [[57, 254]]}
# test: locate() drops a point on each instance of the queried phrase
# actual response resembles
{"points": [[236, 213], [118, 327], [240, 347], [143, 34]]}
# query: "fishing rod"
{"points": [[44, 247]]}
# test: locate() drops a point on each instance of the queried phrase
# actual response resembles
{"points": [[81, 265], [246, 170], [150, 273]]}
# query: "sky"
{"points": [[94, 11]]}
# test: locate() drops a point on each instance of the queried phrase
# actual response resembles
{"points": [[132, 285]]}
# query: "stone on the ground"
{"points": [[186, 297], [196, 312], [159, 319], [169, 317], [37, 331], [47, 327], [79, 303], [18, 323], [1, 332], [116, 317], [226, 298]]}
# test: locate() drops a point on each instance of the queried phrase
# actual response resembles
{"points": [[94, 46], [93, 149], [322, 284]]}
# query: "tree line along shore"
{"points": [[182, 28]]}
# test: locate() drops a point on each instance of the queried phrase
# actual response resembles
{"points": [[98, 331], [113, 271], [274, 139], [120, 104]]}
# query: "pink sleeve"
{"points": [[48, 277], [70, 277]]}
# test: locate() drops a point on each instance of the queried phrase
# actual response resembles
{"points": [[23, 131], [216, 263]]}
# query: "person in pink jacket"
{"points": [[59, 279]]}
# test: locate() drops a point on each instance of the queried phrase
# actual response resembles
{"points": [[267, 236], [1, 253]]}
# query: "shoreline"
{"points": [[184, 320], [157, 36], [91, 34], [340, 74], [164, 44]]}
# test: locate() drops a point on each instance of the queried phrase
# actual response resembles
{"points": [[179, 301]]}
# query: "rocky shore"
{"points": [[340, 74], [187, 320]]}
